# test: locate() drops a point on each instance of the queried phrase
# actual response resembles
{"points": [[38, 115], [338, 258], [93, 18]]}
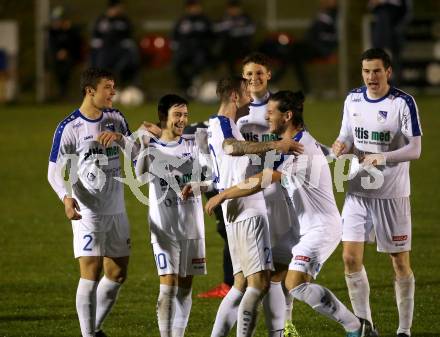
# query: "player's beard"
{"points": [[277, 128]]}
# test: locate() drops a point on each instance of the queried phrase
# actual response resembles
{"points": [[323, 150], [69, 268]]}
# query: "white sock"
{"points": [[227, 313], [247, 312], [166, 307], [106, 296], [289, 304], [405, 288], [183, 309], [86, 306], [274, 312], [325, 302], [359, 292]]}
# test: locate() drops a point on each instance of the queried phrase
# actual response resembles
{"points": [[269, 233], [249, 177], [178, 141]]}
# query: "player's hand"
{"points": [[152, 128], [71, 208], [106, 138], [186, 192], [338, 148], [373, 159], [213, 203], [288, 145]]}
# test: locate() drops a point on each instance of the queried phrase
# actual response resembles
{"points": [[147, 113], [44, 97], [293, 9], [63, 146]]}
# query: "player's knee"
{"points": [[118, 276], [401, 265], [352, 262], [240, 282], [293, 282]]}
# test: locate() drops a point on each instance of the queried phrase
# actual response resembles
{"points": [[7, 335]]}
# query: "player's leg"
{"points": [[274, 313], [256, 261], [90, 269], [309, 255], [278, 317], [393, 232], [404, 286], [116, 251], [183, 305], [258, 285], [228, 310], [166, 304], [192, 262], [167, 258], [89, 247], [321, 300], [357, 229], [115, 273]]}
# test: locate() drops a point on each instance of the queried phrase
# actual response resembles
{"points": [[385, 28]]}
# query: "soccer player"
{"points": [[308, 181], [176, 225], [223, 288], [282, 223], [246, 222], [380, 125], [89, 139]]}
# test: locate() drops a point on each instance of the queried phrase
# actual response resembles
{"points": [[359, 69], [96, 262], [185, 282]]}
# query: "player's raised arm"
{"points": [[247, 187], [236, 147]]}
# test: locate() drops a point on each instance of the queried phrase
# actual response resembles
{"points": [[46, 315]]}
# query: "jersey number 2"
{"points": [[87, 245]]}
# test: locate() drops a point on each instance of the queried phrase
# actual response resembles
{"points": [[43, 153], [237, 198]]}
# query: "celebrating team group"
{"points": [[275, 189]]}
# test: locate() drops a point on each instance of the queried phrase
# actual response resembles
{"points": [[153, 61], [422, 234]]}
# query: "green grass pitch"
{"points": [[38, 275]]}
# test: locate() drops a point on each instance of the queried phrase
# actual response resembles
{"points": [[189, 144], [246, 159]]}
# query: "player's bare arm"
{"points": [[71, 208], [236, 147], [247, 187]]}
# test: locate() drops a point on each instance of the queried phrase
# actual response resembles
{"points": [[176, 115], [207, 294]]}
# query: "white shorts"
{"points": [[314, 248], [388, 221], [183, 257], [249, 245], [283, 229], [101, 235]]}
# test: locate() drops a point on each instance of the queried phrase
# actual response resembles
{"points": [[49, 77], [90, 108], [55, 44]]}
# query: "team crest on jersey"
{"points": [[77, 125], [110, 126], [382, 116]]}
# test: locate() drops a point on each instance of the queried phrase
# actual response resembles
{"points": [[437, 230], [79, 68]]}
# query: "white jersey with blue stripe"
{"points": [[231, 170], [92, 167], [308, 180], [172, 165], [254, 127], [381, 125]]}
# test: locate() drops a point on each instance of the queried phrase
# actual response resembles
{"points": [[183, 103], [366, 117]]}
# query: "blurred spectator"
{"points": [[277, 46], [320, 41], [191, 43], [391, 18], [113, 46], [235, 33], [65, 46]]}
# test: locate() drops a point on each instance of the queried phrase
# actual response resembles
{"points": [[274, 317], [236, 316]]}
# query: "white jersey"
{"points": [[95, 167], [380, 125], [254, 127], [231, 170], [308, 180], [170, 166]]}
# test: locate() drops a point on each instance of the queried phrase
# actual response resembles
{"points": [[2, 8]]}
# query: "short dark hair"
{"points": [[226, 86], [377, 53], [258, 58], [290, 101], [92, 76], [166, 102]]}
